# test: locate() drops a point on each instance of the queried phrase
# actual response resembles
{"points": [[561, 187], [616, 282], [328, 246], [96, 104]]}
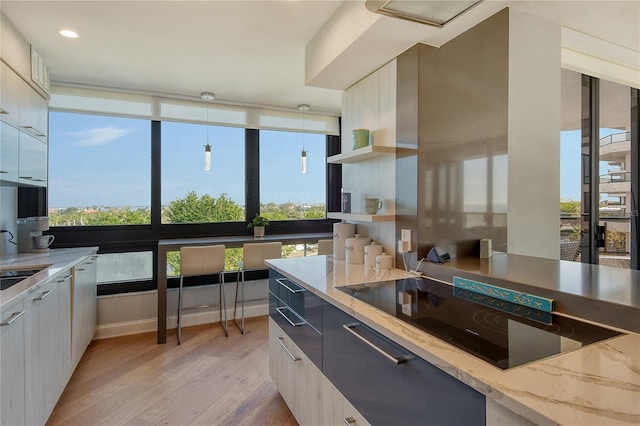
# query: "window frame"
{"points": [[130, 238]]}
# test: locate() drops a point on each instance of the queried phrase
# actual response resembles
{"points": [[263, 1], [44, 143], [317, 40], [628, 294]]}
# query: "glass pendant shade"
{"points": [[207, 157], [303, 159]]}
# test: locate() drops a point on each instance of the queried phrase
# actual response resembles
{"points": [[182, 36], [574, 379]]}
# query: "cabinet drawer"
{"points": [[387, 383], [306, 304], [308, 339]]}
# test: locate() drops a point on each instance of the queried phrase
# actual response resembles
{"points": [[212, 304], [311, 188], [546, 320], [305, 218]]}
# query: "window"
{"points": [[99, 170], [190, 194], [285, 192], [148, 169]]}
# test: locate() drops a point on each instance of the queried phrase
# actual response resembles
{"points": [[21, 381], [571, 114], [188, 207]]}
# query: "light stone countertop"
{"points": [[595, 385], [52, 262]]}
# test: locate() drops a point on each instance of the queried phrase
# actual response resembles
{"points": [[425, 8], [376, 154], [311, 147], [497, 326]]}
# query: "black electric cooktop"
{"points": [[499, 332]]}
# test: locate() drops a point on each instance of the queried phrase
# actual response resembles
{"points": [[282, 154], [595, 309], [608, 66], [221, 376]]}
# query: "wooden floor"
{"points": [[208, 380]]}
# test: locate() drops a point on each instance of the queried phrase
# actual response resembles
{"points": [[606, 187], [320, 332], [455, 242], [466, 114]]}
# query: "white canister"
{"points": [[354, 249], [341, 231], [371, 251], [384, 262]]}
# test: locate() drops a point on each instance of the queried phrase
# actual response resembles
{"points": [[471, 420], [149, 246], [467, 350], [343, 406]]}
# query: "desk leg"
{"points": [[162, 295]]}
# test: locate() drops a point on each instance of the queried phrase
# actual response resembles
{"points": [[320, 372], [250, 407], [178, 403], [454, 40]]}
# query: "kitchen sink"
{"points": [[9, 278]]}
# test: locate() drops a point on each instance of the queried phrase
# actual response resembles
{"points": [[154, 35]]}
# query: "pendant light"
{"points": [[207, 96], [303, 156]]}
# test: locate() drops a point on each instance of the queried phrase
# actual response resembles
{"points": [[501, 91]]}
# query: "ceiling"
{"points": [[253, 52]]}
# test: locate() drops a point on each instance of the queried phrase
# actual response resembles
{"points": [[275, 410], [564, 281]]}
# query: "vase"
{"points": [[258, 232]]}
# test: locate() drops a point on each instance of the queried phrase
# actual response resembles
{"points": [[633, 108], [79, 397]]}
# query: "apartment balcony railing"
{"points": [[615, 138], [614, 148]]}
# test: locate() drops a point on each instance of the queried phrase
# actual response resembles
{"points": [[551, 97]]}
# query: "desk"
{"points": [[165, 246]]}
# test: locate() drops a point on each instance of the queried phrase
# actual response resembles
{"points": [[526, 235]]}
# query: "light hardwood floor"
{"points": [[208, 380]]}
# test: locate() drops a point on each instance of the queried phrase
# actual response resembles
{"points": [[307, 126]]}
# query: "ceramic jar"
{"points": [[341, 231], [354, 249], [371, 251], [384, 262]]}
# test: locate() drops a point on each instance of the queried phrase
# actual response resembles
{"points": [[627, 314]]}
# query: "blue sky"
{"points": [[105, 161]]}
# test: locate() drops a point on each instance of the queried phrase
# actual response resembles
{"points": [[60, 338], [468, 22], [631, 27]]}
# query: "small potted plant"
{"points": [[258, 223]]}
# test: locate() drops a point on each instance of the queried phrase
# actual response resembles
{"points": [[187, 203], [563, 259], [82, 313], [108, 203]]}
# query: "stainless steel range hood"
{"points": [[436, 13]]}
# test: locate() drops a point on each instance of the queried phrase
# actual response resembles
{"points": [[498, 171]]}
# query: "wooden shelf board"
{"points": [[361, 154], [362, 217]]}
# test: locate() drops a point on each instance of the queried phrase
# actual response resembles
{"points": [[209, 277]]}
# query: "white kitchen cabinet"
{"points": [[299, 381], [12, 364], [64, 282], [11, 87], [32, 161], [47, 346], [336, 410], [34, 114], [84, 308], [8, 153]]}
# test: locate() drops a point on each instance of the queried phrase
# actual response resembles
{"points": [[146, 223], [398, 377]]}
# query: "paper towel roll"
{"points": [[370, 252], [354, 249], [341, 231]]}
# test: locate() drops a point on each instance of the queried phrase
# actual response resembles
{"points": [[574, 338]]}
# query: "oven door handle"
{"points": [[395, 359]]}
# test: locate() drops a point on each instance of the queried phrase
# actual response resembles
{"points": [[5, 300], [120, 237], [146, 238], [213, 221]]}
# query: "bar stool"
{"points": [[325, 247], [203, 260], [253, 257]]}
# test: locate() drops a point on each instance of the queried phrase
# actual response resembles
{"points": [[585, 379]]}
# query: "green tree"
{"points": [[204, 209], [570, 208]]}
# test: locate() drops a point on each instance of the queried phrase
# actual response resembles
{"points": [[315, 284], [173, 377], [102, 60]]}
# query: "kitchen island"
{"points": [[594, 385]]}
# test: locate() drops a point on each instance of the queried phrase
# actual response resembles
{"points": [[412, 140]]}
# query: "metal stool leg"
{"points": [[235, 307], [178, 328], [223, 306]]}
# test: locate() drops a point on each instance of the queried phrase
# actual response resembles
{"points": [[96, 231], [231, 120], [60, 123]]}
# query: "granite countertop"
{"points": [[595, 385], [52, 263]]}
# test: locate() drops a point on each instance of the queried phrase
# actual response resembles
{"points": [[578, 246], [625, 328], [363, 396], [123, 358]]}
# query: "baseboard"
{"points": [[188, 319]]}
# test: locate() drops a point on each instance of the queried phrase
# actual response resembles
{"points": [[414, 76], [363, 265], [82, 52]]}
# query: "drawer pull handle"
{"points": [[4, 111], [349, 421], [298, 290], [294, 324], [44, 295], [67, 278], [396, 359], [35, 179], [14, 317], [80, 269], [2, 171], [293, 357]]}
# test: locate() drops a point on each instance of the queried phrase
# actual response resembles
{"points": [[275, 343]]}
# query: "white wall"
{"points": [[131, 313], [534, 137], [371, 104]]}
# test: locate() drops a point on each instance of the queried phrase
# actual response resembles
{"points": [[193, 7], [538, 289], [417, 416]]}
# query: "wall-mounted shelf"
{"points": [[368, 153], [361, 154], [362, 217]]}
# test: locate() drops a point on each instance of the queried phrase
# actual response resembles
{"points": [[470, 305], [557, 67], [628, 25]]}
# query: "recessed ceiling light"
{"points": [[436, 13], [68, 33]]}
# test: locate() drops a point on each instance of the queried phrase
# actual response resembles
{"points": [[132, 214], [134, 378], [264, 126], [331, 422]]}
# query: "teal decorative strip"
{"points": [[518, 297]]}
